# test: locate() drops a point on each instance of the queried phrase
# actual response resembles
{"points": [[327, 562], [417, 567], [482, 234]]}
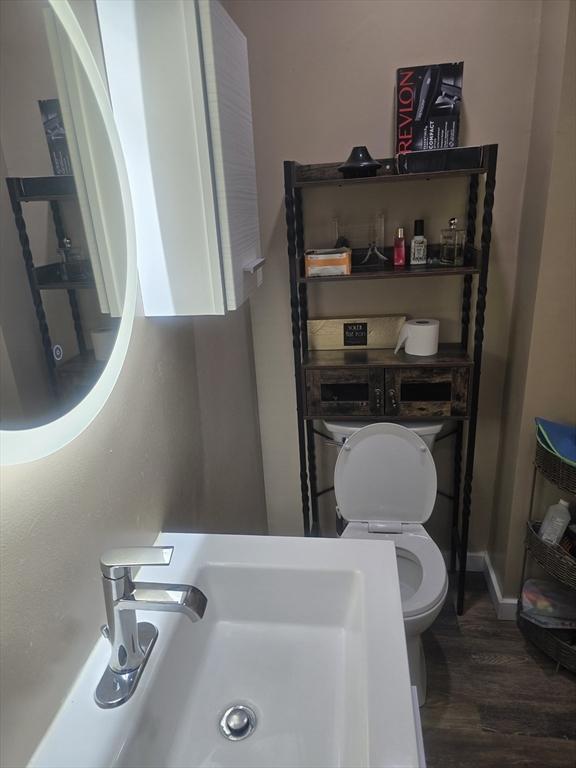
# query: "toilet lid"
{"points": [[385, 473]]}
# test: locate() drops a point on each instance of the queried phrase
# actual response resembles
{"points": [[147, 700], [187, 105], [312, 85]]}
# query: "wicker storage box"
{"points": [[555, 560], [559, 644], [558, 472]]}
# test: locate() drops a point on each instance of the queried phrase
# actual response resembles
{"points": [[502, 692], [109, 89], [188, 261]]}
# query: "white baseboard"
{"points": [[479, 562], [505, 607], [474, 561]]}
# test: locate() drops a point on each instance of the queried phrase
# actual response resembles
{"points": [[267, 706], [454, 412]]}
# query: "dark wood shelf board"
{"points": [[448, 356], [394, 273], [44, 188], [390, 178], [321, 174]]}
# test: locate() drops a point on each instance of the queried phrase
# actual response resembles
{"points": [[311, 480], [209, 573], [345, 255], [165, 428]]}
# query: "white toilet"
{"points": [[385, 487]]}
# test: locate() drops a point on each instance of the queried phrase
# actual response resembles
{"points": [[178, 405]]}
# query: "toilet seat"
{"points": [[385, 486], [434, 584], [417, 542], [385, 474]]}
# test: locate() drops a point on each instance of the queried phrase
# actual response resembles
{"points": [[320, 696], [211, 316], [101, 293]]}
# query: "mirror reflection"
{"points": [[62, 250]]}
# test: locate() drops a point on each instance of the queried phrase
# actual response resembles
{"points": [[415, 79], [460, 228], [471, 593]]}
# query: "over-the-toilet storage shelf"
{"points": [[456, 368]]}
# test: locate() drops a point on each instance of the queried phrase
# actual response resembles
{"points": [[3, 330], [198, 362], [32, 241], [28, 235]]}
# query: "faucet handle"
{"points": [[116, 563]]}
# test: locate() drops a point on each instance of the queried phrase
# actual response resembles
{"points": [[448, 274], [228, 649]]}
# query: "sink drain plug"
{"points": [[238, 722]]}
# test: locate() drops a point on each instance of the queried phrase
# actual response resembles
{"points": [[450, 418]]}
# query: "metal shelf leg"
{"points": [[478, 342]]}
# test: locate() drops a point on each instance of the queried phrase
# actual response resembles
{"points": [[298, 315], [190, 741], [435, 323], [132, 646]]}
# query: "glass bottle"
{"points": [[399, 248], [452, 246], [418, 245]]}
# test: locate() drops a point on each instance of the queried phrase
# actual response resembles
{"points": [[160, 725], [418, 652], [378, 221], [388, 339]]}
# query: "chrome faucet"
{"points": [[132, 641]]}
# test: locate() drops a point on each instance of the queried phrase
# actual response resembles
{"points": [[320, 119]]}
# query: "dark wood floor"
{"points": [[493, 699]]}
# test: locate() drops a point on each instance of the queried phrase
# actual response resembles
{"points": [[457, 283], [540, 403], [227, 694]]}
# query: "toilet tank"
{"points": [[340, 431]]}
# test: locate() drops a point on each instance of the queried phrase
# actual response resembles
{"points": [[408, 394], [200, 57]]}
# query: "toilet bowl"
{"points": [[385, 487]]}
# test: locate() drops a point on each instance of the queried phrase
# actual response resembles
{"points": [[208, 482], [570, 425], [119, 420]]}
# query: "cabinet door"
{"points": [[345, 392], [427, 392]]}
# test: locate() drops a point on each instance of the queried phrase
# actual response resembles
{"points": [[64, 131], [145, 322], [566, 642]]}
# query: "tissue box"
{"points": [[355, 332], [329, 261]]}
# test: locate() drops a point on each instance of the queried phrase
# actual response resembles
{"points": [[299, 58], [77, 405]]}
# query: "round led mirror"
{"points": [[67, 263]]}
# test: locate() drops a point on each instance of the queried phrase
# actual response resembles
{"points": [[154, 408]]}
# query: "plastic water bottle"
{"points": [[555, 523]]}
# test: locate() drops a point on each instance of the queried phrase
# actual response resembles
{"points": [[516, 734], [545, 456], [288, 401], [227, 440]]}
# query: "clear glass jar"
{"points": [[452, 245]]}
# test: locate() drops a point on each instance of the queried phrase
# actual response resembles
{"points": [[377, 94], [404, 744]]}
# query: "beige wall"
{"points": [[541, 378], [177, 447], [322, 80]]}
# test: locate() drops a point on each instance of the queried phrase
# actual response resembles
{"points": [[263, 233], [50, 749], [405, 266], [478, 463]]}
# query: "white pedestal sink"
{"points": [[308, 633]]}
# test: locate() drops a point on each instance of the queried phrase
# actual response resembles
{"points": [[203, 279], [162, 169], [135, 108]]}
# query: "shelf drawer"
{"points": [[427, 392], [344, 392]]}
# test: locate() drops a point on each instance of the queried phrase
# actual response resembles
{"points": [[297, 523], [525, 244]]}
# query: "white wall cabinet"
{"points": [[179, 85]]}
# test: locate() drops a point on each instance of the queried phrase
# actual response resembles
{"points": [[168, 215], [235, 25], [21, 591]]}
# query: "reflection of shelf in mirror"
{"points": [[78, 375], [63, 276], [38, 188], [86, 362], [66, 285]]}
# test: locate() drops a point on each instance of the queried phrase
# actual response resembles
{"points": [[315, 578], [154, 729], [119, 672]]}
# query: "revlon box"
{"points": [[428, 101], [432, 160], [55, 136]]}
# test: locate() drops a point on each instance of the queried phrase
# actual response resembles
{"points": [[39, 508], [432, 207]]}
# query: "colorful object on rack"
{"points": [[549, 604], [559, 439]]}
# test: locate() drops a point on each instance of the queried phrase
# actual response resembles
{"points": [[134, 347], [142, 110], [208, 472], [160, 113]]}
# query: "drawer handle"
{"points": [[393, 400], [378, 393]]}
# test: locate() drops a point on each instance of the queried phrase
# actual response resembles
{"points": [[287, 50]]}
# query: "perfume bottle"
{"points": [[399, 248], [419, 244], [452, 247]]}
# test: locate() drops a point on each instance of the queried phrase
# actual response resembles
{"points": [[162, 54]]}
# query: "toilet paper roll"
{"points": [[420, 337]]}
